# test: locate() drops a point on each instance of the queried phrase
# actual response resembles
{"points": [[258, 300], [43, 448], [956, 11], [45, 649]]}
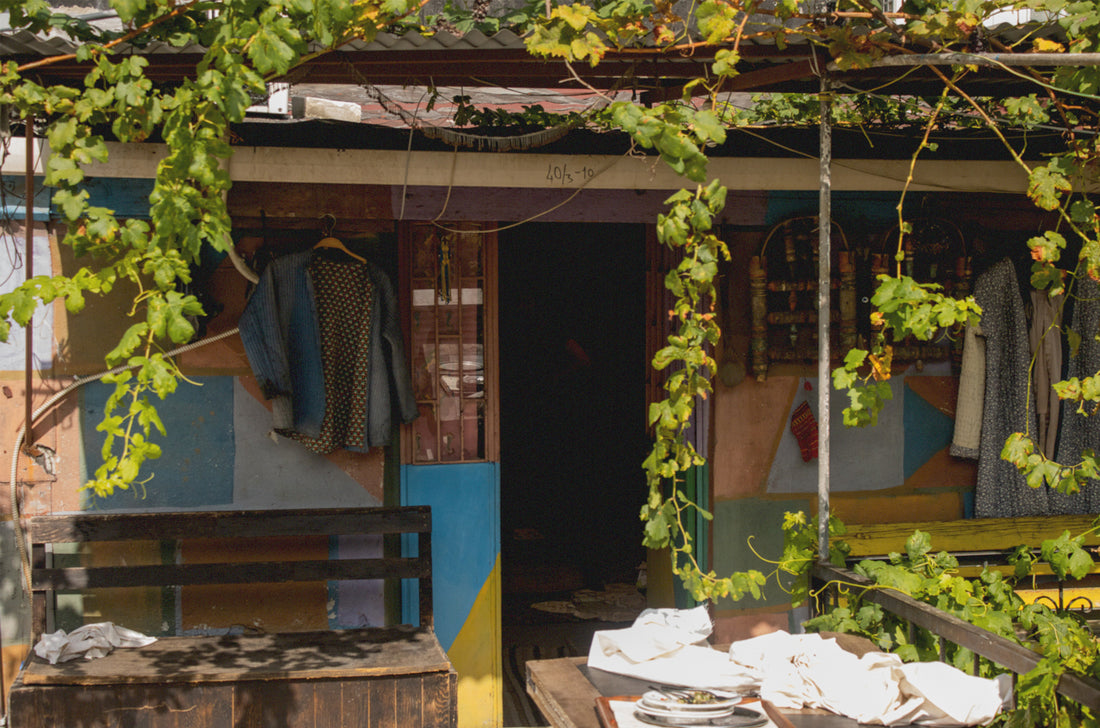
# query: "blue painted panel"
{"points": [[858, 213], [41, 207], [196, 465], [126, 197], [465, 501], [927, 431]]}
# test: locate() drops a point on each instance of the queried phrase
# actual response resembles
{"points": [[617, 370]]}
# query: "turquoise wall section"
{"points": [[197, 458], [465, 501]]}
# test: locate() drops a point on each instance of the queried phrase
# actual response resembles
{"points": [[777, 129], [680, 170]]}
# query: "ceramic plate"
{"points": [[737, 717], [666, 702]]}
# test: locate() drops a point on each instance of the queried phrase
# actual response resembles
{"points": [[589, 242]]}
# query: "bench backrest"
{"points": [[968, 535], [248, 526]]}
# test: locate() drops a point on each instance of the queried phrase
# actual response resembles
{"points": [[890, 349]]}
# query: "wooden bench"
{"points": [[377, 677], [978, 542]]}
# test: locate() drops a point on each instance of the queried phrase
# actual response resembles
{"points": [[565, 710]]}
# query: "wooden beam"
{"points": [[560, 171], [757, 80]]}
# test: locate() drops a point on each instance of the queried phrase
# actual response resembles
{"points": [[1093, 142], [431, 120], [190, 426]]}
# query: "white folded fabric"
{"points": [[799, 671], [877, 689], [669, 646], [90, 641]]}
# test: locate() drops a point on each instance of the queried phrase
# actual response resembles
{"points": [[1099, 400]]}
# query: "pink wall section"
{"points": [[749, 419]]}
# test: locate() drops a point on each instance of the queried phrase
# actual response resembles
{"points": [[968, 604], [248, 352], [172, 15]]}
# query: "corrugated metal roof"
{"points": [[24, 43], [476, 59]]}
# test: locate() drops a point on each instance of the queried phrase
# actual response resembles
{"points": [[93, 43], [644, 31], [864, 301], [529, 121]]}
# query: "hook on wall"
{"points": [[328, 224]]}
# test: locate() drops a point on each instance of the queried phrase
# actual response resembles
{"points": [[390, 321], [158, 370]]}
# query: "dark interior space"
{"points": [[573, 436]]}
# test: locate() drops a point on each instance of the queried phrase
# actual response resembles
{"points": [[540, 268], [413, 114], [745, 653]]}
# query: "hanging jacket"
{"points": [[1081, 430], [349, 398], [1002, 491]]}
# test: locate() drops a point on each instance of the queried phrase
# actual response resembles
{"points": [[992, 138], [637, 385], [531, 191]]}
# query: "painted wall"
{"points": [[223, 454], [220, 453], [898, 471], [465, 501]]}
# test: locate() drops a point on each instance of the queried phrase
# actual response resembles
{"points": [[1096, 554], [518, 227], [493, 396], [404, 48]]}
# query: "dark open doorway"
{"points": [[573, 435]]}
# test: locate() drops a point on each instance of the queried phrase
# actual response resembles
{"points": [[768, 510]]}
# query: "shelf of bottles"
{"points": [[447, 338], [783, 283]]}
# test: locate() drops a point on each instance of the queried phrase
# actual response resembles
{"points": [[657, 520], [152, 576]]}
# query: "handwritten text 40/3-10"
{"points": [[563, 174]]}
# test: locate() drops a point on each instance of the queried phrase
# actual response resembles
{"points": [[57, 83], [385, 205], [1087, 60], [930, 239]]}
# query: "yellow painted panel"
{"points": [[476, 656], [137, 608], [660, 582], [294, 607], [12, 656], [1070, 597], [883, 508], [970, 534]]}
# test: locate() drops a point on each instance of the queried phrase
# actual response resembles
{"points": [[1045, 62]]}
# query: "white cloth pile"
{"points": [[799, 671], [669, 646], [877, 688], [90, 641]]}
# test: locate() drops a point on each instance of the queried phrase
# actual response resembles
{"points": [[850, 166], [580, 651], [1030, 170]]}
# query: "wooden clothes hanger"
{"points": [[329, 241]]}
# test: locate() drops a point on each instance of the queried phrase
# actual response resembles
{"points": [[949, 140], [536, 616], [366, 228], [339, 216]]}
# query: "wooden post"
{"points": [[757, 276]]}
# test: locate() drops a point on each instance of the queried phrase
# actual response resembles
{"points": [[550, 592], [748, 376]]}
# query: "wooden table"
{"points": [[565, 693]]}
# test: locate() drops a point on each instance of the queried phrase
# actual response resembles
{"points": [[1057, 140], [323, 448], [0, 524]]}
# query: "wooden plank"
{"points": [[277, 200], [87, 577], [249, 704], [409, 708], [424, 552], [300, 699], [565, 696], [315, 655], [294, 165], [969, 535], [1015, 657], [353, 705], [382, 707], [329, 710], [80, 527], [191, 706], [305, 679], [438, 706]]}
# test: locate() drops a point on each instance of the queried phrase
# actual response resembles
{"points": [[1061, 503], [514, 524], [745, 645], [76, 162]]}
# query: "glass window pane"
{"points": [[447, 290]]}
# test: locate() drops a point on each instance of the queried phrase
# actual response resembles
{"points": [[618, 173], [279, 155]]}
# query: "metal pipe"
{"points": [[824, 317], [28, 205], [982, 59]]}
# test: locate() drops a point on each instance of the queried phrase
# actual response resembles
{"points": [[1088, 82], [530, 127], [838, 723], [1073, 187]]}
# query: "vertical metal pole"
{"points": [[824, 317], [28, 209]]}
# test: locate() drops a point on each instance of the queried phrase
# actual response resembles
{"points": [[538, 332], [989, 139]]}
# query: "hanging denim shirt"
{"points": [[283, 337]]}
